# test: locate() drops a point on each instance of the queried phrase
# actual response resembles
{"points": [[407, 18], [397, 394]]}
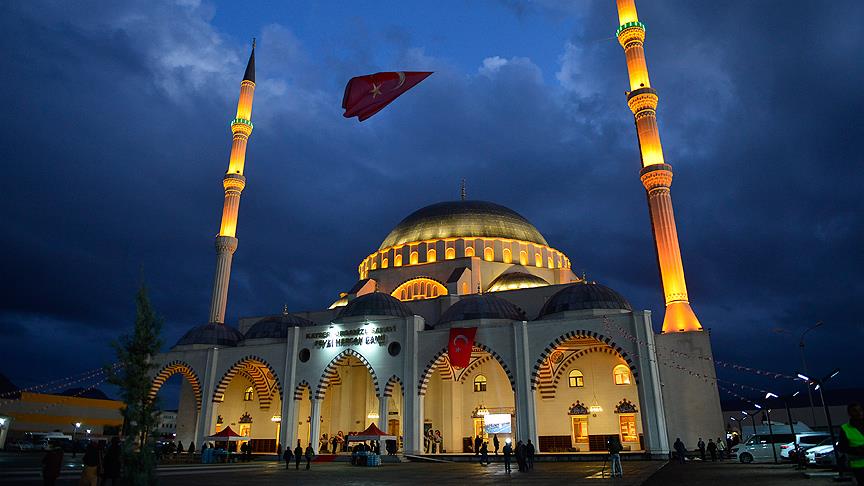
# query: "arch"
{"points": [[385, 262], [391, 384], [523, 258], [450, 253], [256, 369], [431, 255], [538, 260], [330, 372], [171, 369], [419, 288], [298, 390], [469, 251], [397, 259], [488, 254], [508, 255], [431, 366], [414, 257], [573, 357], [480, 383], [621, 375], [575, 379], [550, 348], [249, 394]]}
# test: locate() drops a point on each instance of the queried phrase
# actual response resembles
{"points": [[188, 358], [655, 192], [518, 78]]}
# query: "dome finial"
{"points": [[463, 194], [285, 309]]}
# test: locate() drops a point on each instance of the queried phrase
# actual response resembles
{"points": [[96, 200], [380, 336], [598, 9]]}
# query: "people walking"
{"points": [[852, 441], [680, 450], [51, 464], [701, 446], [484, 453], [288, 456], [298, 455], [721, 448], [529, 455], [91, 462], [614, 447], [309, 454], [477, 442], [495, 443], [508, 450], [712, 450]]}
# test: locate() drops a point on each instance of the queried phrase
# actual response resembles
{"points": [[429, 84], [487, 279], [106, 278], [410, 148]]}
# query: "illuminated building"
{"points": [[557, 359]]}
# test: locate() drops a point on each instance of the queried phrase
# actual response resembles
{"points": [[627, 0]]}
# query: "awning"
{"points": [[227, 435], [371, 433]]}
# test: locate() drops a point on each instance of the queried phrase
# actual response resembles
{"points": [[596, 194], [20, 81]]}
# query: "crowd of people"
{"points": [[716, 450], [101, 464]]}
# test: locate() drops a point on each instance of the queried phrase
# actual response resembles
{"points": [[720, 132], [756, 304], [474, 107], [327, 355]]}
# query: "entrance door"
{"points": [[580, 430], [245, 431], [478, 428]]}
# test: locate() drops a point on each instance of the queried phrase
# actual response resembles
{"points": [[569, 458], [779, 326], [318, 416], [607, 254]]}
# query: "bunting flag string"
{"points": [[59, 384], [65, 398]]}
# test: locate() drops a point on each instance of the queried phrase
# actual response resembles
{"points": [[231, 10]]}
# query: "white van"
{"points": [[758, 447]]}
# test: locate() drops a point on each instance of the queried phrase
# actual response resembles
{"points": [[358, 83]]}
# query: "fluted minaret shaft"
{"points": [[656, 174], [234, 182]]}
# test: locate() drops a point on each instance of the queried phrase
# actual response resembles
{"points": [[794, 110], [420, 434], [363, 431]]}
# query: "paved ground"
{"points": [[732, 473]]}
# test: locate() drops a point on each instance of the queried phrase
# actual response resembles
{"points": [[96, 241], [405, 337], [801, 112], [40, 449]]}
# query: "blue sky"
{"points": [[120, 138]]}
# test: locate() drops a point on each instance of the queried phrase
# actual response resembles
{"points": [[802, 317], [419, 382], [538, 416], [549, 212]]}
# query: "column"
{"points": [[413, 406], [652, 410], [205, 418], [315, 425], [289, 406], [382, 413], [526, 413]]}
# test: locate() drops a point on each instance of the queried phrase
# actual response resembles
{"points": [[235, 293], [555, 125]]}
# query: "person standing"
{"points": [[701, 446], [852, 441], [298, 455], [508, 450], [477, 443], [111, 470], [288, 455], [721, 448], [495, 443], [614, 447], [51, 464], [529, 455], [335, 443], [680, 450], [484, 453], [90, 473], [712, 450], [520, 456], [309, 454]]}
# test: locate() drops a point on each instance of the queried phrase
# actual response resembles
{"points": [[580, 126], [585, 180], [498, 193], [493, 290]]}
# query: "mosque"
{"points": [[556, 359]]}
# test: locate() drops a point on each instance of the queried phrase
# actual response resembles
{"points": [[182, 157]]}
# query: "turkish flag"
{"points": [[460, 345], [367, 95]]}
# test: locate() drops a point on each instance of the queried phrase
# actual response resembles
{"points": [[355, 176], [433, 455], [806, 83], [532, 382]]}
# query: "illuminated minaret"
{"points": [[234, 182], [656, 174]]}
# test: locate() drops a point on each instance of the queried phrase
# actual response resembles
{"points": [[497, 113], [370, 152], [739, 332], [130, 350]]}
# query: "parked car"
{"points": [[758, 448], [805, 440], [822, 455], [19, 445]]}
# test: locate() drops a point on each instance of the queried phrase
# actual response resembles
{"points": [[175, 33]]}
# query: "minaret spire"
{"points": [[656, 174], [234, 182]]}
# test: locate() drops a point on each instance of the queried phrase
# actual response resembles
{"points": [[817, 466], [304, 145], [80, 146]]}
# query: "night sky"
{"points": [[116, 139]]}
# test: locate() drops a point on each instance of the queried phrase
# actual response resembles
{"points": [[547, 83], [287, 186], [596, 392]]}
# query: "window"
{"points": [[385, 262], [450, 253], [549, 262], [414, 257], [508, 256], [480, 383], [577, 380], [488, 254], [523, 257], [628, 428], [469, 251], [397, 260], [248, 395], [538, 260], [419, 288], [430, 255], [374, 264], [464, 288], [580, 429], [621, 374]]}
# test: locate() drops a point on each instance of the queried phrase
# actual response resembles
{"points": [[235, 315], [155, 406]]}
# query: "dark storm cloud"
{"points": [[119, 139]]}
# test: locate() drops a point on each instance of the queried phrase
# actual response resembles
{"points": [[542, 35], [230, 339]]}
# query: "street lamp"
{"points": [[74, 431], [804, 364], [819, 385]]}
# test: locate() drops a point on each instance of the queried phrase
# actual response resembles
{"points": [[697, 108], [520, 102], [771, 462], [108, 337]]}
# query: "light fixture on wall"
{"points": [[373, 415], [482, 411], [596, 408], [276, 418]]}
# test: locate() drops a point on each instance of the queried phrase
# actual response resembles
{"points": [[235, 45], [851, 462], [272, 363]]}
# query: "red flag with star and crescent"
{"points": [[460, 346], [367, 95]]}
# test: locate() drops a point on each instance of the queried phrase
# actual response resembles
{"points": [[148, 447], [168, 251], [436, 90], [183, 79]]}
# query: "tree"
{"points": [[132, 377]]}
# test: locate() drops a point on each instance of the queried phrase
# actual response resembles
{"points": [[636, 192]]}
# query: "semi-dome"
{"points": [[461, 219], [211, 334], [584, 296], [516, 280], [276, 327], [375, 304], [481, 306]]}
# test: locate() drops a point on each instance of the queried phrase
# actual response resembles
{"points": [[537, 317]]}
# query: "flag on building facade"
{"points": [[369, 94], [460, 346]]}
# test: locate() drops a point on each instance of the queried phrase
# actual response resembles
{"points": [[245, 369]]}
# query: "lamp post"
{"points": [[77, 426], [804, 364], [753, 420], [819, 385]]}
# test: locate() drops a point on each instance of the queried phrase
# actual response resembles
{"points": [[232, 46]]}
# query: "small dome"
{"points": [[375, 304], [481, 306], [516, 280], [276, 327], [213, 334], [584, 296]]}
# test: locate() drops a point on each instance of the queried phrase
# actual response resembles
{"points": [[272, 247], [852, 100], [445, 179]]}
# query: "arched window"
{"points": [[469, 251], [577, 380], [450, 253], [419, 288], [479, 383], [397, 260], [549, 261], [488, 254], [374, 264], [621, 374], [538, 260], [414, 257], [385, 262], [523, 257], [464, 288], [430, 255], [248, 395], [508, 256]]}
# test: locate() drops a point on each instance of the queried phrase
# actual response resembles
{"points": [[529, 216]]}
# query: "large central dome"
{"points": [[461, 219]]}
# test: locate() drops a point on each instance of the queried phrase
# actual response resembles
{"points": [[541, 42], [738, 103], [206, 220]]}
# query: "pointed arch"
{"points": [[298, 390], [171, 369], [549, 349], [262, 375], [391, 384], [431, 366], [330, 372]]}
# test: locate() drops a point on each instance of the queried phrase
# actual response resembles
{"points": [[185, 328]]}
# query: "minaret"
{"points": [[234, 182], [656, 174]]}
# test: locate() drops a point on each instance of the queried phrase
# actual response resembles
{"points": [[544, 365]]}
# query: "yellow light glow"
{"points": [[488, 254], [418, 289], [469, 251], [414, 257], [397, 260], [450, 253], [538, 260], [430, 255], [385, 262], [627, 12], [523, 257], [508, 256]]}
